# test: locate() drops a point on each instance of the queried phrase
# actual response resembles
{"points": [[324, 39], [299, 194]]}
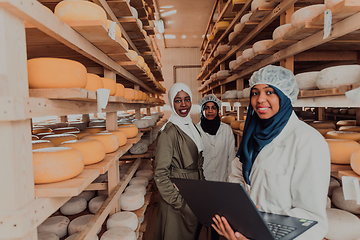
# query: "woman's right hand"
{"points": [[223, 228]]}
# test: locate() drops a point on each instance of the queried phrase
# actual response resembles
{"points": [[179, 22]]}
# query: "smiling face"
{"points": [[210, 110], [182, 104], [265, 101]]}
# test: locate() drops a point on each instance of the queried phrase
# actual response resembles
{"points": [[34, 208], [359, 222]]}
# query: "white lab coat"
{"points": [[219, 151], [291, 176]]}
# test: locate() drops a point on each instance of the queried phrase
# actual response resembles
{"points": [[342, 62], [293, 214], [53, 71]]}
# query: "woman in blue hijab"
{"points": [[282, 162]]}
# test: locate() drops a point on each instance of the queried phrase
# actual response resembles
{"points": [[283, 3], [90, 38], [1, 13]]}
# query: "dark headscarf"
{"points": [[260, 132], [210, 126]]}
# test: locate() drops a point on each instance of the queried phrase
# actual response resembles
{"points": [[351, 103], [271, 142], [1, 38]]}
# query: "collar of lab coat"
{"points": [[281, 139]]}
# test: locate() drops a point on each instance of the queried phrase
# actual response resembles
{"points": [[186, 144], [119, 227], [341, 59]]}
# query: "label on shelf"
{"points": [[112, 30], [327, 23], [351, 188], [102, 97], [353, 95]]}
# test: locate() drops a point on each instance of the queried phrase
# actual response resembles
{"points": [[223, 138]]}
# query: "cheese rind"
{"points": [[129, 93], [130, 130], [119, 233], [355, 161], [131, 201], [110, 141], [123, 219], [120, 90], [110, 84], [248, 53], [47, 236], [74, 206], [341, 150], [307, 14], [261, 46], [94, 82], [78, 224], [334, 77], [36, 144], [228, 119], [343, 135], [307, 80], [57, 139], [139, 180], [56, 224], [280, 31], [96, 203]]}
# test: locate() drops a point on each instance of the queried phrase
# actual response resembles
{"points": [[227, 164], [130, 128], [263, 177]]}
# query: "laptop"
{"points": [[207, 198]]}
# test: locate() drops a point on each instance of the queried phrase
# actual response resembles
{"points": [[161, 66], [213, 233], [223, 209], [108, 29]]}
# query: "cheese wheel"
{"points": [[92, 150], [307, 80], [141, 61], [57, 139], [47, 236], [355, 161], [239, 60], [307, 14], [94, 129], [222, 24], [246, 92], [280, 31], [228, 119], [34, 137], [238, 27], [350, 128], [81, 134], [74, 236], [57, 225], [56, 164], [137, 188], [131, 201], [341, 150], [240, 94], [136, 95], [346, 123], [120, 90], [141, 123], [123, 219], [322, 124], [97, 122], [41, 130], [110, 140], [139, 180], [117, 28], [235, 124], [223, 73], [211, 37], [333, 77], [139, 22], [78, 224], [248, 53], [124, 43], [121, 136], [94, 82], [96, 203], [261, 46], [109, 84], [129, 94], [87, 195], [342, 225], [36, 144], [255, 4], [134, 12], [119, 233], [145, 173], [223, 48], [74, 206], [232, 64], [333, 184], [343, 135], [324, 131], [79, 11], [133, 55], [232, 35], [245, 18], [130, 130], [340, 202], [56, 73], [66, 130]]}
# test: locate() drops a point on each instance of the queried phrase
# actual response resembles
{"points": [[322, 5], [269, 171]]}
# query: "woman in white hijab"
{"points": [[179, 155]]}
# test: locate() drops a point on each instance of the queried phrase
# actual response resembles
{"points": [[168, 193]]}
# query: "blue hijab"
{"points": [[260, 132]]}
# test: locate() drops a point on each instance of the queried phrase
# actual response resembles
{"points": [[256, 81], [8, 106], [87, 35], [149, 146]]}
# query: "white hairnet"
{"points": [[209, 98], [279, 77]]}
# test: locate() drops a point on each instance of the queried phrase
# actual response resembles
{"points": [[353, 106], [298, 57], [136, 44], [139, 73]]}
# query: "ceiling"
{"points": [[185, 21]]}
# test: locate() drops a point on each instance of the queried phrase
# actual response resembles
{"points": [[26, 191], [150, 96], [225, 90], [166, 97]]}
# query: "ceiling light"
{"points": [[172, 12], [167, 6], [170, 36], [183, 36], [160, 25], [158, 36]]}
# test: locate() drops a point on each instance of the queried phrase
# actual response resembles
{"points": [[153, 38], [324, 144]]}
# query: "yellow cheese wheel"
{"points": [[56, 164], [124, 43], [222, 24], [235, 124], [81, 134], [57, 139], [136, 95], [94, 129], [121, 136], [322, 124], [117, 28], [355, 161], [211, 37], [341, 150], [141, 61], [66, 130], [109, 84], [79, 11], [92, 150], [129, 93], [350, 128], [120, 90], [242, 126], [34, 137], [323, 131], [133, 55], [343, 135], [110, 140], [41, 130], [94, 82], [130, 130], [56, 73], [346, 123], [36, 144], [227, 119]]}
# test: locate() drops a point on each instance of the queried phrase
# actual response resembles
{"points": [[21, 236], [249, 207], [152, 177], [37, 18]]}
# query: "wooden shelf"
{"points": [[260, 13], [349, 174], [340, 167], [135, 139], [121, 8], [134, 156]]}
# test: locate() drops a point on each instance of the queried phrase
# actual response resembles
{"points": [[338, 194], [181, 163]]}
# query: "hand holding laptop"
{"points": [[223, 228]]}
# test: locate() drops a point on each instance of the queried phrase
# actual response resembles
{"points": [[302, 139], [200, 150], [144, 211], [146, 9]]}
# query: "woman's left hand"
{"points": [[223, 228]]}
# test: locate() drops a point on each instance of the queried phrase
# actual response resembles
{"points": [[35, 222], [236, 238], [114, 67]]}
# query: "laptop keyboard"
{"points": [[279, 231]]}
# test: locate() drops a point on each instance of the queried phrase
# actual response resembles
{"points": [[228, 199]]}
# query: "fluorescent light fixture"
{"points": [[194, 36], [158, 36], [160, 25], [170, 22], [172, 12], [161, 10], [167, 6], [183, 36], [170, 36]]}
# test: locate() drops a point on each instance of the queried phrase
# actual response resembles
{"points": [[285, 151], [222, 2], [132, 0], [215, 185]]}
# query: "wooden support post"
{"points": [[357, 116], [285, 18], [86, 119], [222, 91], [157, 108], [148, 111], [222, 66], [137, 110], [240, 84], [64, 118], [16, 167], [321, 114]]}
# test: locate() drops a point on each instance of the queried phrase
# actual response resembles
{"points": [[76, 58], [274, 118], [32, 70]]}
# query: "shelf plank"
{"points": [[121, 8], [262, 55], [340, 167], [135, 139], [349, 174], [134, 156], [324, 92], [280, 44], [237, 6], [64, 93], [109, 159], [303, 31], [140, 212], [243, 31], [260, 13], [67, 188]]}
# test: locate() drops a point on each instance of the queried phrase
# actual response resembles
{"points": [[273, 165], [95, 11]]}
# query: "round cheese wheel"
{"points": [[94, 129], [307, 14], [232, 64], [340, 202], [237, 28], [92, 150], [56, 164], [56, 73], [139, 180], [228, 119], [350, 128], [57, 139], [139, 148], [139, 22], [41, 130], [130, 130], [78, 224], [355, 161], [120, 90], [110, 140], [124, 44], [136, 95], [79, 11], [66, 130], [87, 195], [145, 173], [223, 73], [74, 206], [142, 123], [240, 94], [334, 77], [342, 225], [109, 84], [240, 59], [322, 124], [129, 94], [261, 46], [81, 134], [245, 18], [47, 236], [255, 4], [341, 150], [119, 233], [57, 225], [343, 111], [346, 123], [36, 144], [133, 55], [137, 188], [324, 131], [223, 48], [280, 31], [307, 80], [211, 37], [343, 135], [94, 82], [336, 110], [123, 219], [235, 124], [141, 61], [222, 24], [232, 35], [121, 136], [34, 137], [117, 28], [248, 53], [134, 12], [96, 203], [333, 184], [74, 236], [131, 201]]}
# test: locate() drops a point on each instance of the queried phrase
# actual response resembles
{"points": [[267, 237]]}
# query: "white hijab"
{"points": [[184, 123]]}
